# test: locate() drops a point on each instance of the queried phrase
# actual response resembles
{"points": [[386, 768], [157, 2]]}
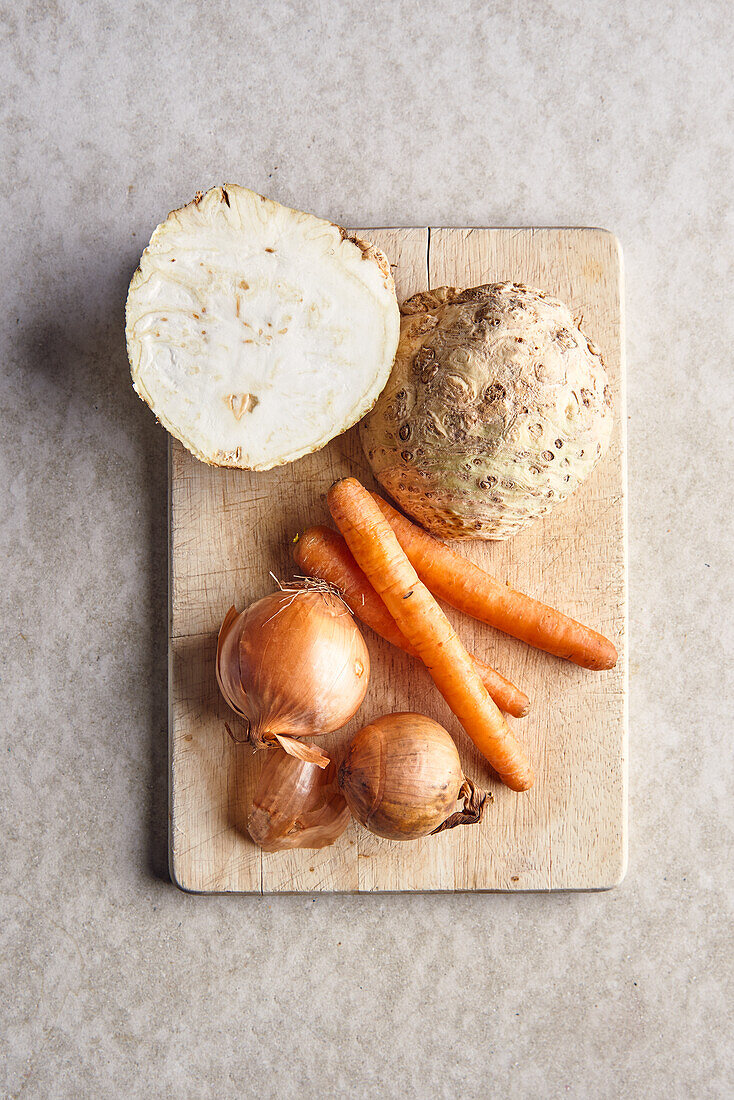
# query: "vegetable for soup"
{"points": [[496, 410], [257, 333]]}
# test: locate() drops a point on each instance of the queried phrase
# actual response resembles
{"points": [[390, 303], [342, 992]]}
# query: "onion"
{"points": [[402, 777], [296, 805], [293, 665]]}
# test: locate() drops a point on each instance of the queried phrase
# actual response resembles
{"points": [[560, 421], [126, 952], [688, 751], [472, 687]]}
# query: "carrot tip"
{"points": [[516, 783], [606, 660]]}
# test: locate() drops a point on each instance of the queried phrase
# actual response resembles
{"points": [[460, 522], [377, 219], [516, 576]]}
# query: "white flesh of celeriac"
{"points": [[257, 333]]}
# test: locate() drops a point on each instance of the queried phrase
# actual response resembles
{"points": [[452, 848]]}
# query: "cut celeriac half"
{"points": [[257, 333]]}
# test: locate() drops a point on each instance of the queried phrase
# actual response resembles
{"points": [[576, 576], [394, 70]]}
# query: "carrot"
{"points": [[321, 552], [377, 551], [467, 587]]}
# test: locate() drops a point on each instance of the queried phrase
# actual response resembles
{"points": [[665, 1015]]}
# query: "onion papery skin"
{"points": [[401, 776], [293, 664], [296, 805]]}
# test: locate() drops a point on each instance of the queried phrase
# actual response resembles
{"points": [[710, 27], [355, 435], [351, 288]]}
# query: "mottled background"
{"points": [[548, 113]]}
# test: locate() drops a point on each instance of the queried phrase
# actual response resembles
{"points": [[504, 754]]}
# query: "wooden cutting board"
{"points": [[230, 528]]}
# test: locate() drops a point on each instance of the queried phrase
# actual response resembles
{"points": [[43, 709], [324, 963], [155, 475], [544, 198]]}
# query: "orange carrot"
{"points": [[377, 551], [465, 586], [323, 553]]}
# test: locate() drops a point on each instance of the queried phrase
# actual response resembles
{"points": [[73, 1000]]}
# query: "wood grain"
{"points": [[229, 528]]}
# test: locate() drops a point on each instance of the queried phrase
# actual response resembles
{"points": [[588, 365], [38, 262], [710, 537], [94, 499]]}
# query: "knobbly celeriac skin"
{"points": [[497, 408]]}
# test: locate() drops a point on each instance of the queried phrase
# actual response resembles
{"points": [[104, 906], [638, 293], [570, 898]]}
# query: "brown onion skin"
{"points": [[401, 776], [294, 664], [296, 805]]}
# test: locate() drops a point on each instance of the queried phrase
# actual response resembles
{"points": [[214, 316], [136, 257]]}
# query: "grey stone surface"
{"points": [[114, 983]]}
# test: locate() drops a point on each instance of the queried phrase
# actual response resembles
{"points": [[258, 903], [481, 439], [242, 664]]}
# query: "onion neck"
{"points": [[474, 802], [262, 739]]}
